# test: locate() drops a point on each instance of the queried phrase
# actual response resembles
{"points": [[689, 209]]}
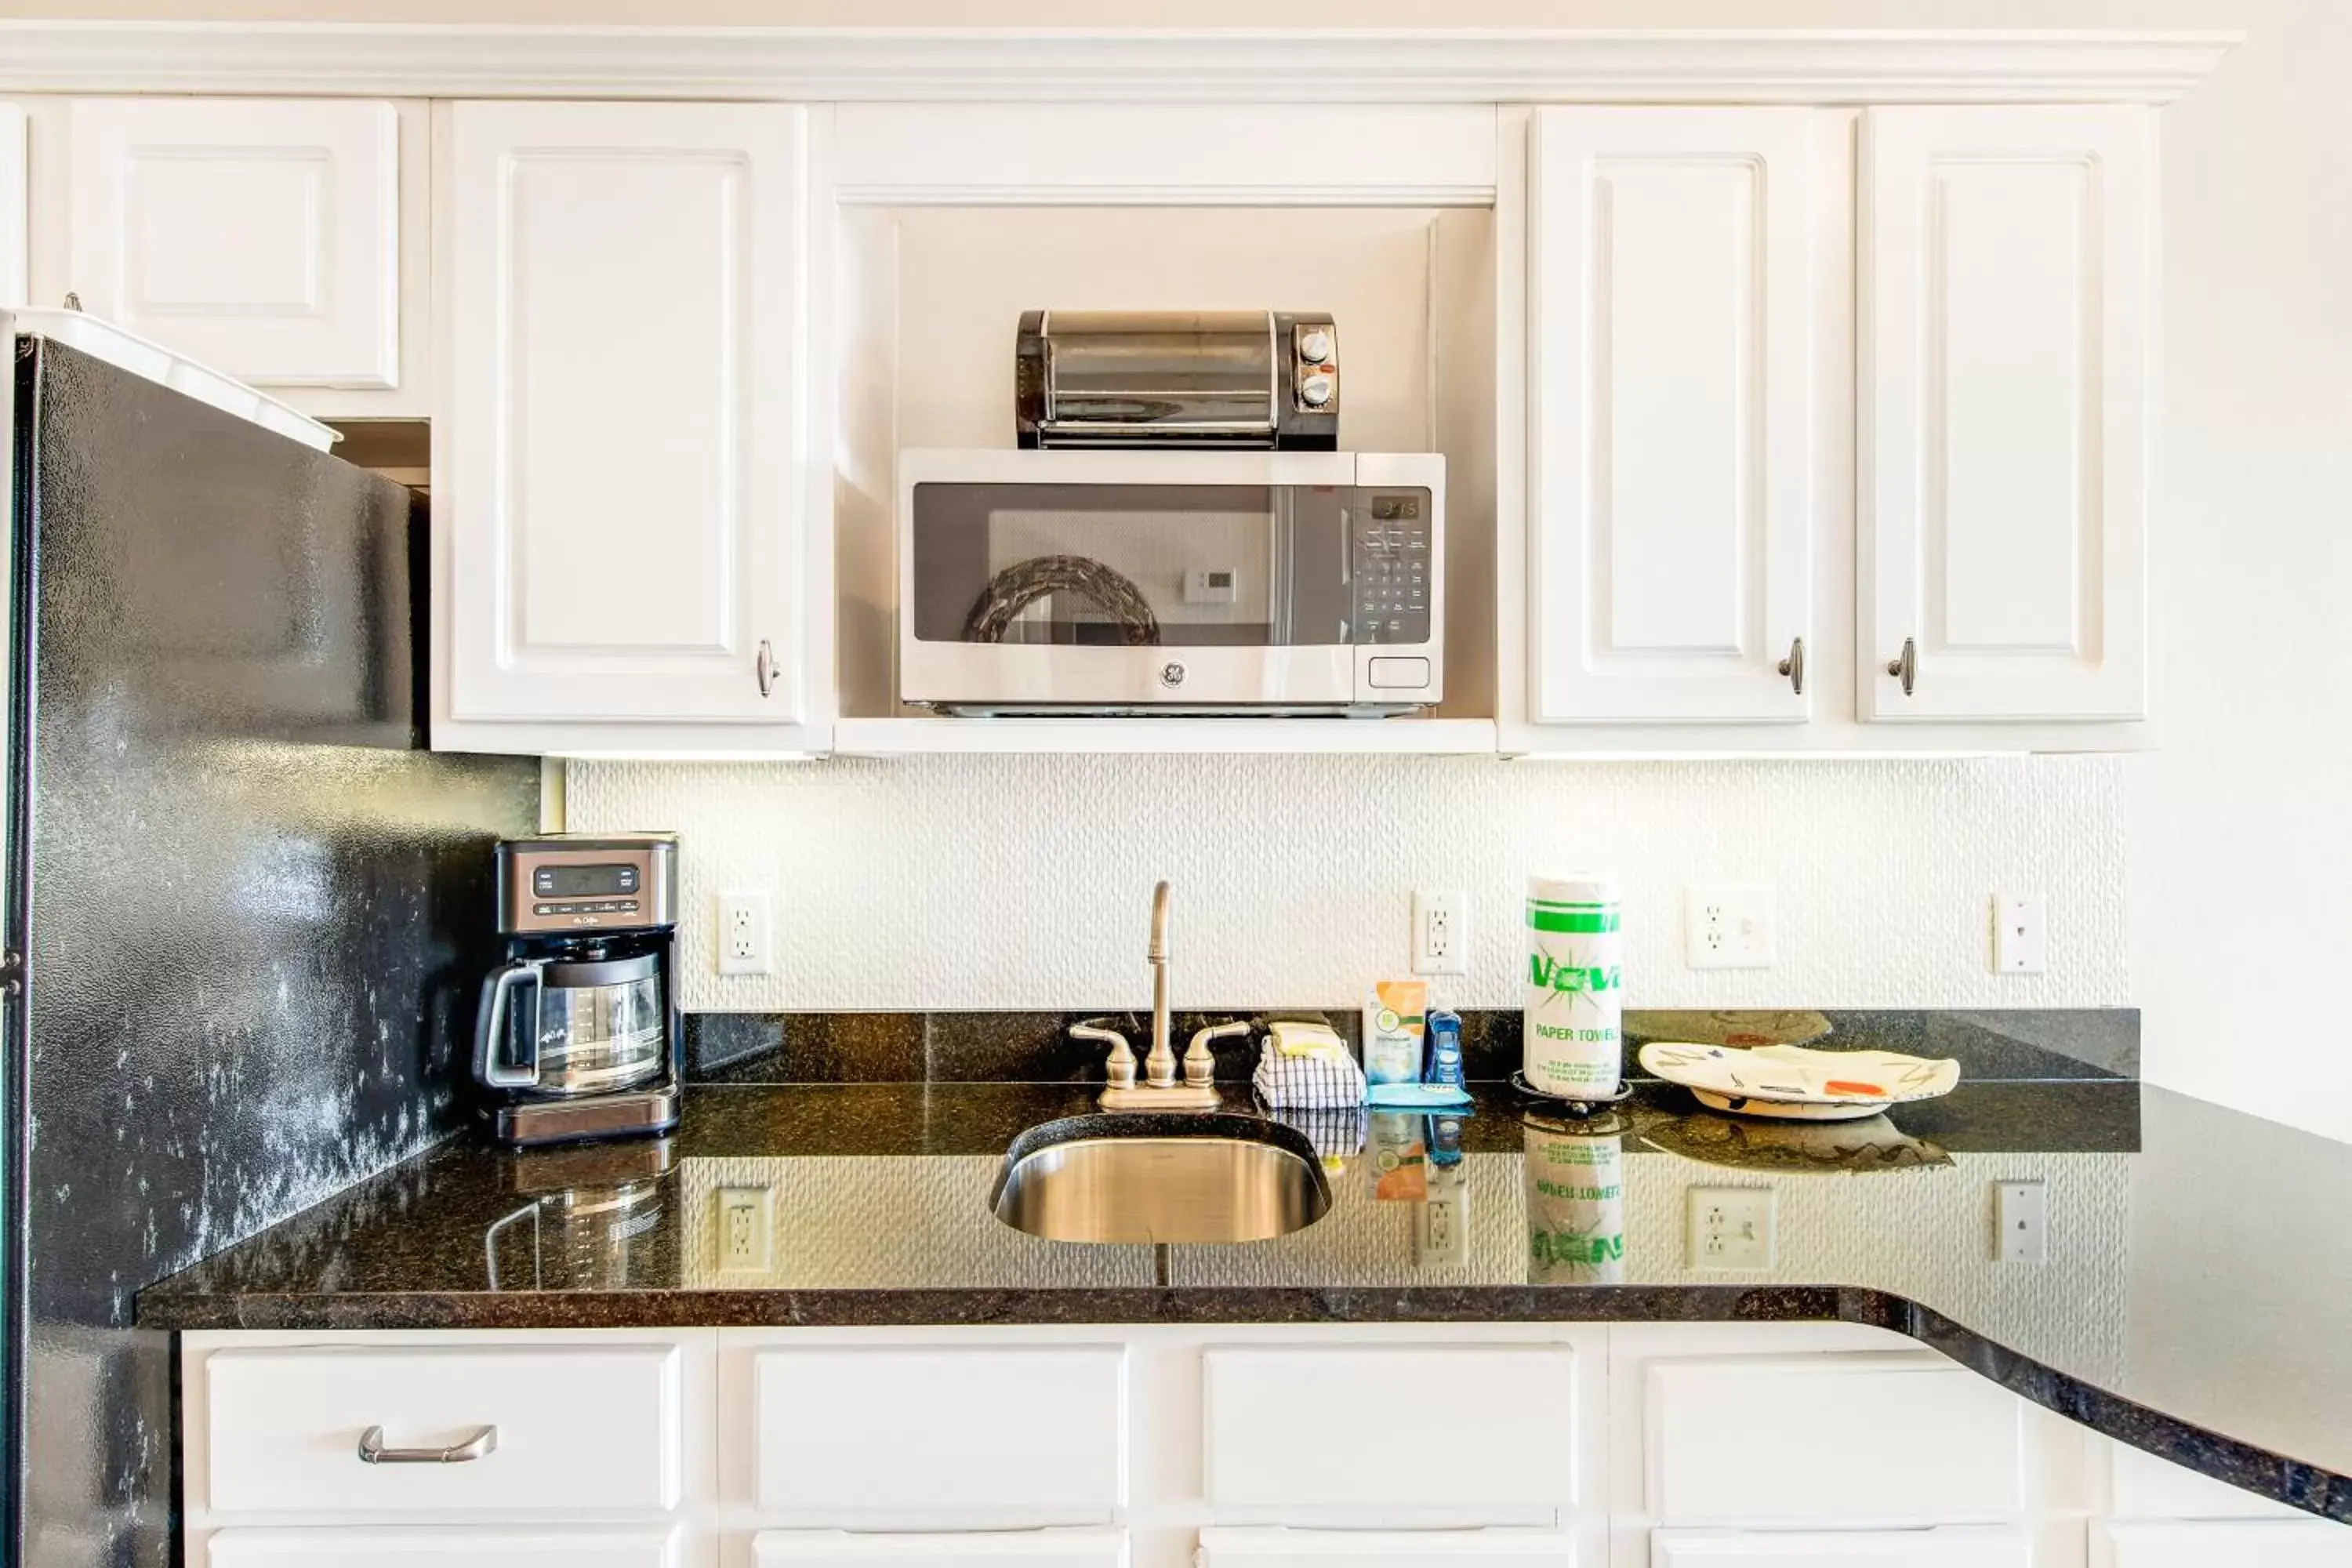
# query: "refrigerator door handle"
{"points": [[490, 1028]]}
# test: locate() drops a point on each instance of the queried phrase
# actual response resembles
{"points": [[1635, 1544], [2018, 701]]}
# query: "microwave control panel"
{"points": [[1390, 566]]}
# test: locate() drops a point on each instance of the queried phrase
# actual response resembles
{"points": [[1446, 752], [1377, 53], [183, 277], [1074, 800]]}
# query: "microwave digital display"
{"points": [[1396, 509]]}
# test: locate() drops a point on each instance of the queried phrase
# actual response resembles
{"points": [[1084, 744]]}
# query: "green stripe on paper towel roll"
{"points": [[1580, 923]]}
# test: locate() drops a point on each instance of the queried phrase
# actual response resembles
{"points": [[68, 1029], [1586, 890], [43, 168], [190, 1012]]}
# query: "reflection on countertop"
{"points": [[2193, 1250]]}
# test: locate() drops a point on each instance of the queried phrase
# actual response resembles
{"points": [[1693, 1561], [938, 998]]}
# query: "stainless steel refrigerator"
{"points": [[243, 907]]}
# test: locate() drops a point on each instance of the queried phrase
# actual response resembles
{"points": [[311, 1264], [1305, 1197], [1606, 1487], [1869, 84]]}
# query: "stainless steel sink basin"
{"points": [[1171, 1178]]}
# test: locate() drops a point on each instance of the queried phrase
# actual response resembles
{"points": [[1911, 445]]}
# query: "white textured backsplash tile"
{"points": [[1025, 881]]}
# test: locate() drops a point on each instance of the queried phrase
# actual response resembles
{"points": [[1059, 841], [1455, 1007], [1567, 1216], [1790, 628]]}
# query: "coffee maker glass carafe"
{"points": [[595, 1023]]}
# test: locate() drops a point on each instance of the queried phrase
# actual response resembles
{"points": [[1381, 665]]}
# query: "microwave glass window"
{"points": [[1172, 565]]}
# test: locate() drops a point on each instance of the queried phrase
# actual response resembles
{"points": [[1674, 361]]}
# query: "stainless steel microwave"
{"points": [[1171, 582]]}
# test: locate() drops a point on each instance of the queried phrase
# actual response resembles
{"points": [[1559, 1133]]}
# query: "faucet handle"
{"points": [[1199, 1062], [1120, 1068]]}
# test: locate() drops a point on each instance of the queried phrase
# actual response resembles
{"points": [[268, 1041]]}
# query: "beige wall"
{"points": [[2241, 855]]}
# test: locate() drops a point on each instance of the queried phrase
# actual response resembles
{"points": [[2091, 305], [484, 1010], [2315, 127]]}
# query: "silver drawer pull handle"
{"points": [[764, 666], [479, 1446], [1904, 666]]}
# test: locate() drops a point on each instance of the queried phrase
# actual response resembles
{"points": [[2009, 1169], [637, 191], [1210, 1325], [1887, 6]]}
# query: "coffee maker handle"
{"points": [[490, 1028]]}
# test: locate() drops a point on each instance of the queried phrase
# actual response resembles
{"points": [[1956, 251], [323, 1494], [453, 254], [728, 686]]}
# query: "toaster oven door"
{"points": [[1121, 582]]}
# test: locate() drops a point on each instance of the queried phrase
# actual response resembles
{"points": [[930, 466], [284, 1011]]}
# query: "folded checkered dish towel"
{"points": [[1304, 1081]]}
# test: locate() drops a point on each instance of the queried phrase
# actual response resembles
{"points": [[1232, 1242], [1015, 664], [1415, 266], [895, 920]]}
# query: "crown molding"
{"points": [[833, 65]]}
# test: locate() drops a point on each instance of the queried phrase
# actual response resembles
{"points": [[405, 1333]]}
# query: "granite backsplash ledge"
{"points": [[988, 1047]]}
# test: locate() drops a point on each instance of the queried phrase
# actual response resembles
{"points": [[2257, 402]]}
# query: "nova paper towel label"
{"points": [[1572, 1040]]}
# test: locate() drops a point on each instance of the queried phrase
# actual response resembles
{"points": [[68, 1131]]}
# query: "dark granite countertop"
{"points": [[2199, 1260]]}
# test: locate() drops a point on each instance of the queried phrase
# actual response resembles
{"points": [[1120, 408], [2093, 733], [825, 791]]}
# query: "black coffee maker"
{"points": [[578, 1034]]}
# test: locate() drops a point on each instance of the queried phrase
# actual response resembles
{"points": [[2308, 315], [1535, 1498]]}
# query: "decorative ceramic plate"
{"points": [[1797, 1084]]}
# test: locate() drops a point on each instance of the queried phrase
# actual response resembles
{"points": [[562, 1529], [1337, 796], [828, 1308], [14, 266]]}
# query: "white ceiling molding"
{"points": [[829, 65]]}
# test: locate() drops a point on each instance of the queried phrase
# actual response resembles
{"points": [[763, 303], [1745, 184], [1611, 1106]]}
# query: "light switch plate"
{"points": [[1730, 1227]]}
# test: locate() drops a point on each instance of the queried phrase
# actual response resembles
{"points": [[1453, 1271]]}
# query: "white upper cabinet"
{"points": [[16, 210], [1670, 282], [260, 237], [626, 518], [2005, 346]]}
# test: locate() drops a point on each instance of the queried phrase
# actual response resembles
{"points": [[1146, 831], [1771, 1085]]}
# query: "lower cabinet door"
{"points": [[418, 1547], [1086, 1547], [2209, 1544], [1953, 1547], [1273, 1548]]}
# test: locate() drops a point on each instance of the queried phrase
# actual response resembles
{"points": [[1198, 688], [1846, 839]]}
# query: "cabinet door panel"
{"points": [[1804, 1438], [2006, 340], [1669, 283], [370, 1547], [1949, 1548], [2240, 1543], [1038, 1433], [15, 213], [261, 237], [1102, 1547], [1271, 1548], [1519, 1456], [625, 341]]}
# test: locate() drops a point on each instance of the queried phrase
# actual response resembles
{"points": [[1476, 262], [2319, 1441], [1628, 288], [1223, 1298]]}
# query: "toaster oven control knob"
{"points": [[1315, 391], [1314, 345], [1171, 674]]}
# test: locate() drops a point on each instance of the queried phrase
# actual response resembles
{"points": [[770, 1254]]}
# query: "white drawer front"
{"points": [[582, 1428], [1383, 1549], [997, 1549], [1831, 1438], [1947, 1547], [413, 1547], [1284, 1427], [2237, 1543], [1035, 1430], [2148, 1488]]}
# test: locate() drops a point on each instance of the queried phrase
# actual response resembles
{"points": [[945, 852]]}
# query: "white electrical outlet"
{"points": [[2021, 935], [746, 940], [2021, 1217], [1441, 932], [747, 1227], [1730, 1227], [1727, 925]]}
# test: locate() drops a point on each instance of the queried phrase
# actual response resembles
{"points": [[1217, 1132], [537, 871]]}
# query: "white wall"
{"points": [[1025, 881]]}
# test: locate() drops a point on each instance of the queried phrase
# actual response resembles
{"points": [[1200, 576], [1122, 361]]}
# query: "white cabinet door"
{"points": [[2212, 1544], [1519, 1454], [1032, 1434], [1961, 1547], [623, 513], [1097, 1548], [376, 1547], [2006, 340], [1670, 412], [260, 237], [1270, 1548], [16, 210]]}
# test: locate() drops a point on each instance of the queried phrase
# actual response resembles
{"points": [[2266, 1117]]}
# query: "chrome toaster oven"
{"points": [[1038, 582]]}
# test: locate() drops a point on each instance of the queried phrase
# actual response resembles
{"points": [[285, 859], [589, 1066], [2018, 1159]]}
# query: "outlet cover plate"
{"points": [[744, 1237], [1730, 1227], [1441, 931], [745, 939], [1728, 925]]}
